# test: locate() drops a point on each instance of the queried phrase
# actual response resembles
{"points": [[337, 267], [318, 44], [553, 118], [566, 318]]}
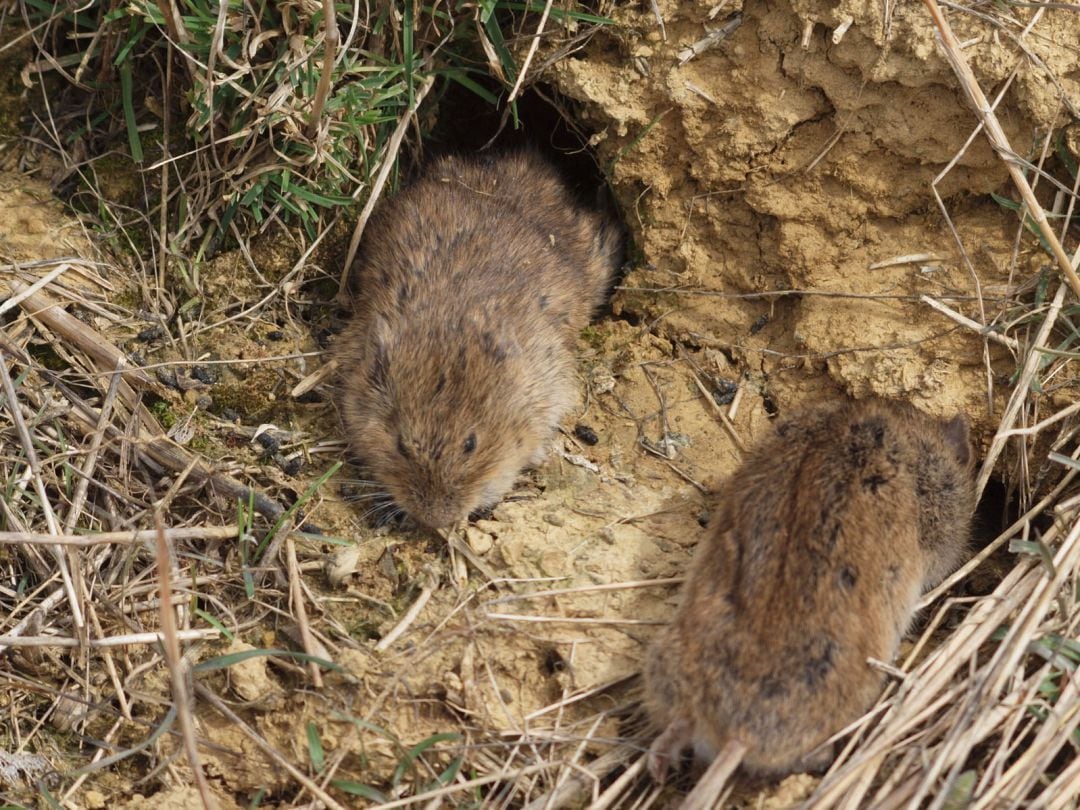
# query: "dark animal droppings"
{"points": [[268, 442], [277, 334], [150, 333], [759, 324], [724, 391], [166, 376], [585, 434], [554, 662], [204, 374]]}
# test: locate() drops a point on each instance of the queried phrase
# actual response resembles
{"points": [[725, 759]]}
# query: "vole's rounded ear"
{"points": [[957, 435]]}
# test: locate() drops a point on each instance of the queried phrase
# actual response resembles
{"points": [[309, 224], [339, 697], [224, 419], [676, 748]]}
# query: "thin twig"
{"points": [[1020, 393], [532, 52], [296, 596], [111, 641], [331, 37], [999, 141], [410, 615], [389, 157], [729, 428], [279, 759], [963, 320], [178, 671], [131, 538], [39, 485]]}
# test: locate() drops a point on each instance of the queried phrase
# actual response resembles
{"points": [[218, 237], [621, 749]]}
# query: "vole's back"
{"points": [[814, 563], [490, 232]]}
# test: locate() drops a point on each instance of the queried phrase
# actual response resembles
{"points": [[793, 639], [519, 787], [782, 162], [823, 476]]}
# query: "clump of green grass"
{"points": [[240, 116]]}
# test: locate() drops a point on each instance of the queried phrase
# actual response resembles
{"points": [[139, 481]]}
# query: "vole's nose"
{"points": [[441, 515]]}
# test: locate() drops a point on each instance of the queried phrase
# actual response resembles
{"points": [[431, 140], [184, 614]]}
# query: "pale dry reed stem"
{"points": [[178, 669], [389, 157], [59, 555], [955, 55]]}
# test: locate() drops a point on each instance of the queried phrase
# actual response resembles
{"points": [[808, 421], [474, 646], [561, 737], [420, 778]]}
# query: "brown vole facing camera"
{"points": [[816, 557], [458, 364]]}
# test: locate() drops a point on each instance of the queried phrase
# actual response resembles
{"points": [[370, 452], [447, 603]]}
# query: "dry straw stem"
{"points": [[128, 538], [1020, 393], [387, 161], [12, 401], [532, 52], [152, 444], [126, 640], [710, 786], [725, 422], [330, 44], [296, 597], [959, 698], [178, 670], [963, 320], [275, 756], [999, 141]]}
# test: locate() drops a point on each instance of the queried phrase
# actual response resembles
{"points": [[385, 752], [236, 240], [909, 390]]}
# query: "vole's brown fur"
{"points": [[813, 563], [458, 365]]}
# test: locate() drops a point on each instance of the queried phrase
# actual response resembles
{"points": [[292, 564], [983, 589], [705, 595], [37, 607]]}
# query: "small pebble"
{"points": [[480, 542]]}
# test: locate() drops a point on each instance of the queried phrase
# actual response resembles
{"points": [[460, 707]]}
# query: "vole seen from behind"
{"points": [[814, 562]]}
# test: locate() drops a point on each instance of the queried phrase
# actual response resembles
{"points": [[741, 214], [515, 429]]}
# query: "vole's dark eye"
{"points": [[401, 447], [470, 443]]}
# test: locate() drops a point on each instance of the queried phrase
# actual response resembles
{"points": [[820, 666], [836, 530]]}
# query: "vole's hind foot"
{"points": [[818, 760], [668, 748]]}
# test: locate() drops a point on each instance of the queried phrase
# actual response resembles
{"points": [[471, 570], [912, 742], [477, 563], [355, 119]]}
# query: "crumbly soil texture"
{"points": [[797, 189]]}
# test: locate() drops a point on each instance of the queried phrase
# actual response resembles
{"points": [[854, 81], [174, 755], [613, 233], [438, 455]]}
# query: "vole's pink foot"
{"points": [[668, 747]]}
